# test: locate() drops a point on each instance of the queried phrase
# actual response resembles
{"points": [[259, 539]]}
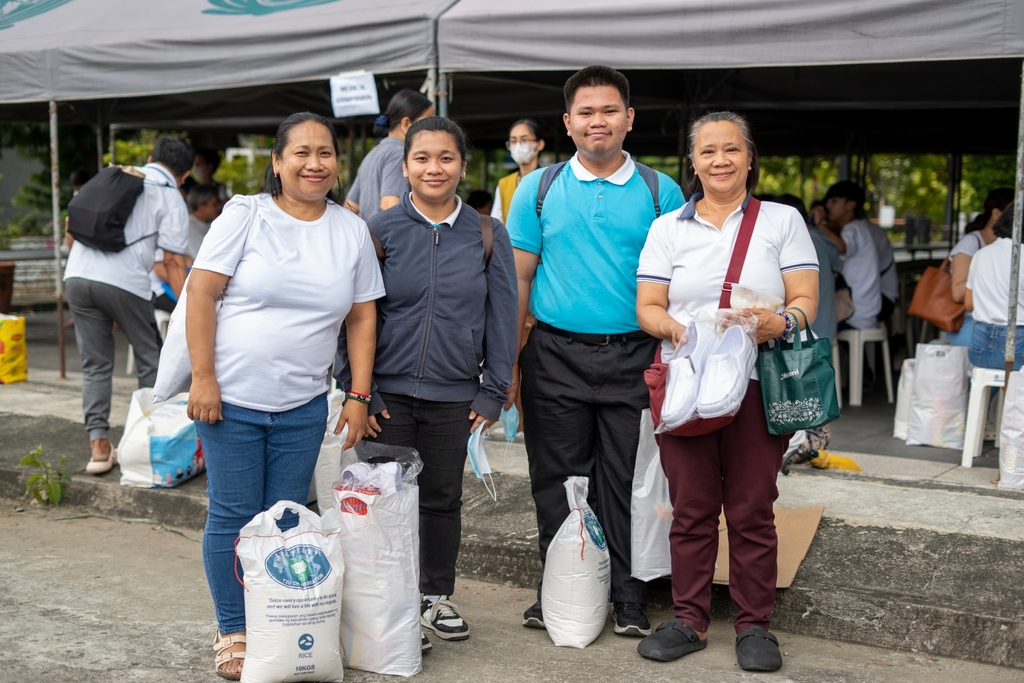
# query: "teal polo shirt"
{"points": [[589, 238]]}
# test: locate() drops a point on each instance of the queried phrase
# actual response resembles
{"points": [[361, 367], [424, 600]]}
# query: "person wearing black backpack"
{"points": [[107, 273], [577, 229]]}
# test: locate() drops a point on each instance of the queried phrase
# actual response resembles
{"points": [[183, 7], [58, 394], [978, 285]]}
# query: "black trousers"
{"points": [[583, 405], [440, 432]]}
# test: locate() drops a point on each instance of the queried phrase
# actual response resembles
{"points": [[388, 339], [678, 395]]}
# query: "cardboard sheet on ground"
{"points": [[796, 529]]}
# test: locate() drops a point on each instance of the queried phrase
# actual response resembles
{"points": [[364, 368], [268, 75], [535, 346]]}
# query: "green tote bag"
{"points": [[798, 383]]}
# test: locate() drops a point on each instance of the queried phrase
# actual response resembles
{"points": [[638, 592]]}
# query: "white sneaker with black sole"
{"points": [[425, 645], [442, 618]]}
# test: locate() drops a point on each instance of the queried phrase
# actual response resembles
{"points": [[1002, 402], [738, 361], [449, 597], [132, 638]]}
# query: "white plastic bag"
{"points": [[1011, 437], [650, 509], [174, 373], [159, 447], [903, 393], [938, 404], [329, 463], [293, 583], [577, 574], [380, 618]]}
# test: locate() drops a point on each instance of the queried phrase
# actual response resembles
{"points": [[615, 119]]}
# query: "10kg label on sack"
{"points": [[293, 582]]}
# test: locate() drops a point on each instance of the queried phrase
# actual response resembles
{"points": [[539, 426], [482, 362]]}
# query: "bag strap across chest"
{"points": [[739, 251]]}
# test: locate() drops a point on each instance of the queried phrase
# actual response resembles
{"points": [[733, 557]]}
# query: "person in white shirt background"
{"points": [[287, 277], [680, 278], [204, 205], [964, 251], [988, 297], [114, 287], [862, 268]]}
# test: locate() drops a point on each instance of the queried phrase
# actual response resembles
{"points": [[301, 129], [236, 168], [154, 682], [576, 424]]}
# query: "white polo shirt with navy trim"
{"points": [[691, 256], [589, 240]]}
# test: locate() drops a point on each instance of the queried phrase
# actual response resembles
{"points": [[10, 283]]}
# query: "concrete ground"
{"points": [[95, 600]]}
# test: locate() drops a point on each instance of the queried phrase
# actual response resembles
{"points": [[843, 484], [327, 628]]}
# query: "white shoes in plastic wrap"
{"points": [[726, 374], [707, 376]]}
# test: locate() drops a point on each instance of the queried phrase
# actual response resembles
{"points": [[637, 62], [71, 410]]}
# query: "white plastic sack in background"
{"points": [[903, 393], [293, 583], [650, 509], [329, 464], [938, 404], [1011, 437], [380, 618], [577, 574], [159, 446]]}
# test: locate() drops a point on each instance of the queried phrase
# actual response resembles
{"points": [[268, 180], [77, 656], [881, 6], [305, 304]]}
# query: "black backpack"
{"points": [[649, 175], [97, 214]]}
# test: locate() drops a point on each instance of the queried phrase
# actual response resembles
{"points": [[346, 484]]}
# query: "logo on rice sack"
{"points": [[595, 530], [306, 642], [301, 566]]}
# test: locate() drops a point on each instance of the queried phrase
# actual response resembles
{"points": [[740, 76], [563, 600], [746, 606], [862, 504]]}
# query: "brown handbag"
{"points": [[933, 299]]}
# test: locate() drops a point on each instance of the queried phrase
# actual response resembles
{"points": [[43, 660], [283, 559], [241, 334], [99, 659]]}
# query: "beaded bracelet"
{"points": [[790, 325], [358, 397]]}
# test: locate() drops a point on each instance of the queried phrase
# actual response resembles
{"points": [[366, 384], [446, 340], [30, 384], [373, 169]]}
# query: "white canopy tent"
{"points": [[483, 35]]}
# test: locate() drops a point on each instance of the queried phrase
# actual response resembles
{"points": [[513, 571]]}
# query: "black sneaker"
{"points": [[441, 618], [631, 619], [670, 641], [533, 617], [425, 644], [757, 650]]}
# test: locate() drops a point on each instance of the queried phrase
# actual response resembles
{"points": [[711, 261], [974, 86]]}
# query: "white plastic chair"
{"points": [[857, 339], [977, 411], [163, 318]]}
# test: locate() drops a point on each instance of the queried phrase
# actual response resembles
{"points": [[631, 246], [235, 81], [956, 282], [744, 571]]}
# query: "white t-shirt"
{"points": [[969, 244], [691, 256], [861, 271], [889, 281], [158, 221], [292, 284], [989, 282]]}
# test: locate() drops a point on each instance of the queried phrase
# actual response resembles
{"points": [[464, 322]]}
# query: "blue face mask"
{"points": [[510, 422], [478, 460]]}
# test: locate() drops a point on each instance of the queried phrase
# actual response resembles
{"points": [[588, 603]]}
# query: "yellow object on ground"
{"points": [[831, 461], [13, 353]]}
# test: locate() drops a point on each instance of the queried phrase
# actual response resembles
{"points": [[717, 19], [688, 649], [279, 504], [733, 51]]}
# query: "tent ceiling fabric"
{"points": [[482, 35], [85, 49]]}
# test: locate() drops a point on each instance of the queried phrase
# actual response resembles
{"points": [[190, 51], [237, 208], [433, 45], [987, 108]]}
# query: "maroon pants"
{"points": [[734, 467]]}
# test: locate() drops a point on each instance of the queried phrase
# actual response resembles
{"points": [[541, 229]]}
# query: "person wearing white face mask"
{"points": [[525, 145]]}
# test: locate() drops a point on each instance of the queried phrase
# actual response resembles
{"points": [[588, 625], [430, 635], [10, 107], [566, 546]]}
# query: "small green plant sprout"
{"points": [[49, 484]]}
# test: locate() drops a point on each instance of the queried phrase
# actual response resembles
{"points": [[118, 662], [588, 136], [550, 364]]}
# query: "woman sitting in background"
{"points": [[966, 248], [987, 296]]}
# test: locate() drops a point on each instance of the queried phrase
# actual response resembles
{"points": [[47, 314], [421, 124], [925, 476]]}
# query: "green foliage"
{"points": [[135, 150], [49, 484], [806, 177], [33, 223], [981, 175]]}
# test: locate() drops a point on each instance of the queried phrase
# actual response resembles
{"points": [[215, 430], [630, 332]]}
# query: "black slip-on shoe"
{"points": [[757, 650], [533, 617], [630, 619], [670, 641]]}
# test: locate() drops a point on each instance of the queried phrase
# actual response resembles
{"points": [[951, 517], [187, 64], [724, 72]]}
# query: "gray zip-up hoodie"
{"points": [[447, 317]]}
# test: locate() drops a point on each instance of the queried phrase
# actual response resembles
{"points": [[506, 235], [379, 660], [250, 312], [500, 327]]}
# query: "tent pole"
{"points": [[98, 129], [442, 95], [57, 237], [113, 147], [431, 86], [1011, 317]]}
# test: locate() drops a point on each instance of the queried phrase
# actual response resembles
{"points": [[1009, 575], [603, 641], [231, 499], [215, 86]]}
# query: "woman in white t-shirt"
{"points": [[964, 251], [287, 271], [988, 298], [680, 278]]}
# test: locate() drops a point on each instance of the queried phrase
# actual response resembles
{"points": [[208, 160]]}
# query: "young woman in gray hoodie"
{"points": [[447, 339]]}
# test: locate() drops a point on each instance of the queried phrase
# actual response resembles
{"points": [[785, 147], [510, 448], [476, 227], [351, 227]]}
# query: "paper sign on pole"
{"points": [[354, 93]]}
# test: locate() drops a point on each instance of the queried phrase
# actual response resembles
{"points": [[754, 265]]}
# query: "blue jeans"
{"points": [[962, 337], [254, 459], [988, 346]]}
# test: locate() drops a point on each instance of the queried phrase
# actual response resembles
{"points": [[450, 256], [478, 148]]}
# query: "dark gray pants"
{"points": [[582, 403], [96, 307], [440, 432]]}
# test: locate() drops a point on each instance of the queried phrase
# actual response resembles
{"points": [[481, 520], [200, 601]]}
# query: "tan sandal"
{"points": [[220, 645]]}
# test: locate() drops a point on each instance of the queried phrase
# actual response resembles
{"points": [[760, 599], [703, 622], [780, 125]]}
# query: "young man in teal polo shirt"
{"points": [[582, 369]]}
